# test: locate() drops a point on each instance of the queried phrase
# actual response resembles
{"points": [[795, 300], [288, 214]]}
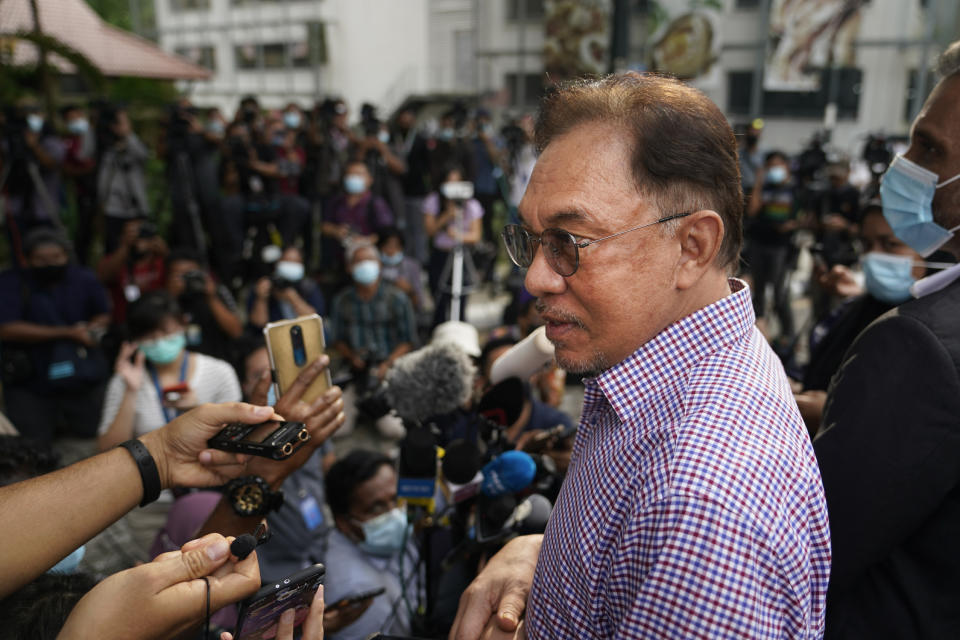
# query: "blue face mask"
{"points": [[384, 137], [35, 122], [888, 277], [354, 184], [366, 272], [446, 134], [79, 126], [215, 127], [271, 396], [291, 119], [164, 350], [907, 193], [71, 562], [393, 260], [384, 535], [777, 175]]}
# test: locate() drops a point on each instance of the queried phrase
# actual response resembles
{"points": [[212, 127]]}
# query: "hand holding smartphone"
{"points": [[292, 345], [260, 615]]}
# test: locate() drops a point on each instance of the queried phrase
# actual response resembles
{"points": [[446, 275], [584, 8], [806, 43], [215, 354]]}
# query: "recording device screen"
{"points": [[271, 439], [260, 615]]}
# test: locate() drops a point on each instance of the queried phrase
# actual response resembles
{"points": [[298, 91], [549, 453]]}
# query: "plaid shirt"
{"points": [[693, 506], [377, 326]]}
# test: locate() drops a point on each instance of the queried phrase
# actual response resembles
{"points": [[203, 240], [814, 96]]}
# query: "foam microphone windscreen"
{"points": [[523, 359], [430, 381], [509, 472], [532, 514], [461, 461], [503, 402]]}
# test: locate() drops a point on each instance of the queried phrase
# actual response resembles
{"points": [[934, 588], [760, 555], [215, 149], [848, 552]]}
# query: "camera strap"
{"points": [[169, 412]]}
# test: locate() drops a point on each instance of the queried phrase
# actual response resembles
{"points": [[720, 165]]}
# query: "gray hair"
{"points": [[948, 64]]}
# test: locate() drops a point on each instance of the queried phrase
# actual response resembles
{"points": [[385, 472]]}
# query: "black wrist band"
{"points": [[149, 475]]}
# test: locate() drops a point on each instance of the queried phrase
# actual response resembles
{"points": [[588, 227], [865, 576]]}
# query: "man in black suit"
{"points": [[889, 447]]}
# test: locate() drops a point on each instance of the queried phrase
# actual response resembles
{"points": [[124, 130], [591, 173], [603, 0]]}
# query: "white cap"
{"points": [[462, 334]]}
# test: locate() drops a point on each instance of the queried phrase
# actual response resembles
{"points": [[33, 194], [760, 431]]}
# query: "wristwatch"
{"points": [[252, 496]]}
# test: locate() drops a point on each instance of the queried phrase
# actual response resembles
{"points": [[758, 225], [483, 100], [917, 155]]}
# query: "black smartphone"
{"points": [[271, 439], [260, 614], [358, 598]]}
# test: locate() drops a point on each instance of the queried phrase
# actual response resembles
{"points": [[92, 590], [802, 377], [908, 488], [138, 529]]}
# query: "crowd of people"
{"points": [[728, 466]]}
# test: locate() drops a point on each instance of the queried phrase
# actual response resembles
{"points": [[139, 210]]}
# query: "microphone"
{"points": [[503, 402], [509, 472], [461, 462], [431, 381], [532, 514], [523, 359], [417, 472]]}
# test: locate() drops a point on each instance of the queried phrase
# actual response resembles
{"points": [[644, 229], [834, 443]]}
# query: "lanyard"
{"points": [[169, 412]]}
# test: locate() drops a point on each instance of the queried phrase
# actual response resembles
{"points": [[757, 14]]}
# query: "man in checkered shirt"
{"points": [[693, 506]]}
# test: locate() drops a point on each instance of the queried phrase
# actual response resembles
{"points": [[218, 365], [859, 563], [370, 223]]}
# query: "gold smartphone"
{"points": [[293, 345]]}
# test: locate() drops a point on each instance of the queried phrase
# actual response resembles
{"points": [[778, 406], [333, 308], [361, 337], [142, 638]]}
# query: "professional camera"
{"points": [[369, 120], [280, 283], [148, 231], [194, 283], [877, 154]]}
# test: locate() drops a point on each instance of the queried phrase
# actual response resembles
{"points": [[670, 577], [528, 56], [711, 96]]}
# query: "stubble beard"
{"points": [[589, 366]]}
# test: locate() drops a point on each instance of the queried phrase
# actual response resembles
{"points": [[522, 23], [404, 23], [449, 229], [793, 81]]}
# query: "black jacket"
{"points": [[889, 454]]}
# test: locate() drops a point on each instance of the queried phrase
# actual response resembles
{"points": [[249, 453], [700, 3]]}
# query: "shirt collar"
{"points": [[661, 364]]}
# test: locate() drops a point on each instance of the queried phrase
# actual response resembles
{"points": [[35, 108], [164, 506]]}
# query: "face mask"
{"points": [[354, 184], [384, 535], [446, 134], [164, 350], [776, 175], [271, 396], [78, 127], [278, 140], [393, 260], [487, 130], [50, 274], [215, 126], [907, 193], [291, 119], [384, 137], [71, 562], [366, 272], [35, 122], [290, 271], [888, 277]]}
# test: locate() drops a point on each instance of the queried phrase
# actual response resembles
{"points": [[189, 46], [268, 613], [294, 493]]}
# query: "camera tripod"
{"points": [[451, 277]]}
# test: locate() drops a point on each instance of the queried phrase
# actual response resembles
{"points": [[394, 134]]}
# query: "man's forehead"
{"points": [[940, 118]]}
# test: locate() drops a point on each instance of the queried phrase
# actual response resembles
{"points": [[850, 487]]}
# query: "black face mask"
{"points": [[49, 274]]}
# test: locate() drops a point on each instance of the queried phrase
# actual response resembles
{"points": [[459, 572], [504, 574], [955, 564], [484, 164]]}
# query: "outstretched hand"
{"points": [[180, 448], [166, 597]]}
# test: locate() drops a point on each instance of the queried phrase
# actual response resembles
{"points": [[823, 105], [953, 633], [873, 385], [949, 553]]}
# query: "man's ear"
{"points": [[700, 236]]}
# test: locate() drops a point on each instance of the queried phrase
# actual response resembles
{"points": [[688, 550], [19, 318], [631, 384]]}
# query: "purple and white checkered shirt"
{"points": [[693, 506]]}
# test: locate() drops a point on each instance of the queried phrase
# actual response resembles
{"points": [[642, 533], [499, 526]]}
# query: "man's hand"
{"points": [[165, 597], [498, 596], [130, 372], [80, 333], [839, 281], [180, 448], [322, 417], [262, 288]]}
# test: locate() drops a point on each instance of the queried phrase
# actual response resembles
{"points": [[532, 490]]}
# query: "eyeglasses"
{"points": [[561, 249]]}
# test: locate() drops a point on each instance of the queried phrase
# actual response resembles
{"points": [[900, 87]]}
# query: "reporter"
{"points": [[48, 517], [166, 597]]}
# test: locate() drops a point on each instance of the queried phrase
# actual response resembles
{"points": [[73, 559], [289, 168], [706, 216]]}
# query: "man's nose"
{"points": [[541, 279]]}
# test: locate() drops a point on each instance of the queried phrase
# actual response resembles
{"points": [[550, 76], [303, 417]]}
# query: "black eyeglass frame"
{"points": [[570, 239]]}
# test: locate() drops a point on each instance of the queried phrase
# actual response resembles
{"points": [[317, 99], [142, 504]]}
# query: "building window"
{"points": [[204, 56], [748, 4], [189, 5], [797, 104], [532, 89], [273, 55], [246, 56], [525, 10], [912, 88]]}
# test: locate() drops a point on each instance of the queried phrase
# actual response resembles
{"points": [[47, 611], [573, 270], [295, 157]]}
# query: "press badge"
{"points": [[61, 370], [311, 512]]}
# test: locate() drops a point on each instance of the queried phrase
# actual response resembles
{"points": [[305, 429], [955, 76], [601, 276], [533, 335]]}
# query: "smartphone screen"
{"points": [[260, 615]]}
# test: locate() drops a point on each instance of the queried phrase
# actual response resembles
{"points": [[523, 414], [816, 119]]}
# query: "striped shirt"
{"points": [[693, 506], [377, 326]]}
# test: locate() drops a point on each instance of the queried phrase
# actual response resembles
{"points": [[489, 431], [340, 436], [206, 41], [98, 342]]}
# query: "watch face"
{"points": [[248, 498]]}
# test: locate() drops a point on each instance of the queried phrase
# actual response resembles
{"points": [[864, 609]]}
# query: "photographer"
{"points": [[53, 315], [209, 309], [80, 169], [181, 146], [385, 163], [287, 294], [121, 181], [449, 221], [30, 159], [135, 268]]}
